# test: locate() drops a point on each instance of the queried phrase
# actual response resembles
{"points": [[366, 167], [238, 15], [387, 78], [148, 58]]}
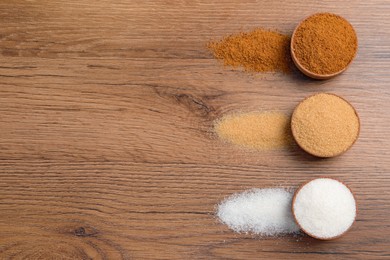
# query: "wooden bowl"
{"points": [[308, 233], [306, 71], [297, 140]]}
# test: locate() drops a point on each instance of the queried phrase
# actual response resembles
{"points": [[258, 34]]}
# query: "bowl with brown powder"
{"points": [[325, 125], [323, 45]]}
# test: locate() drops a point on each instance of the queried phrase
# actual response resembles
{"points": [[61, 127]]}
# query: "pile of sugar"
{"points": [[324, 208], [265, 212], [260, 50], [256, 130]]}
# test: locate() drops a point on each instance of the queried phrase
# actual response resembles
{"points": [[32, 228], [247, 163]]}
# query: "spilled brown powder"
{"points": [[257, 130], [325, 125], [324, 43], [259, 50]]}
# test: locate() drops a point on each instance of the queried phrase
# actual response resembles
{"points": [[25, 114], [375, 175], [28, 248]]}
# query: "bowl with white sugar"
{"points": [[324, 208]]}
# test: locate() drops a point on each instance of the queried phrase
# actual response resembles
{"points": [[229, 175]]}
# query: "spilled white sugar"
{"points": [[264, 212], [324, 208]]}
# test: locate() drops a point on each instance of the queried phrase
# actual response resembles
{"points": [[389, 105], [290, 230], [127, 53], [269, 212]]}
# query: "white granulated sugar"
{"points": [[324, 208], [264, 212]]}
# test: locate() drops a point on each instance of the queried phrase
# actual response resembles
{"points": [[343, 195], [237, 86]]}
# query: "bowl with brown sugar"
{"points": [[323, 45], [325, 125]]}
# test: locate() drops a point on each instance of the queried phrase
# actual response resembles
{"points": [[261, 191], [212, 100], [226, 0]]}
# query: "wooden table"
{"points": [[106, 142]]}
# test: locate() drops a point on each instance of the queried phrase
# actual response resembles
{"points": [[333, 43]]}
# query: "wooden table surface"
{"points": [[106, 147]]}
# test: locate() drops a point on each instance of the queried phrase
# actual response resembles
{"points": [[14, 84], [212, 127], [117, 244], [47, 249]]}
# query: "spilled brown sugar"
{"points": [[325, 125], [259, 50], [256, 130]]}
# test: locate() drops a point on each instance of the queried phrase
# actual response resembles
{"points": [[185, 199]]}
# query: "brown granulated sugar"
{"points": [[256, 130], [259, 50], [325, 125], [324, 43]]}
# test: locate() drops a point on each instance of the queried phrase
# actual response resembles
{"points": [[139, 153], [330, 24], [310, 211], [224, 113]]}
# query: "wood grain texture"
{"points": [[106, 148]]}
